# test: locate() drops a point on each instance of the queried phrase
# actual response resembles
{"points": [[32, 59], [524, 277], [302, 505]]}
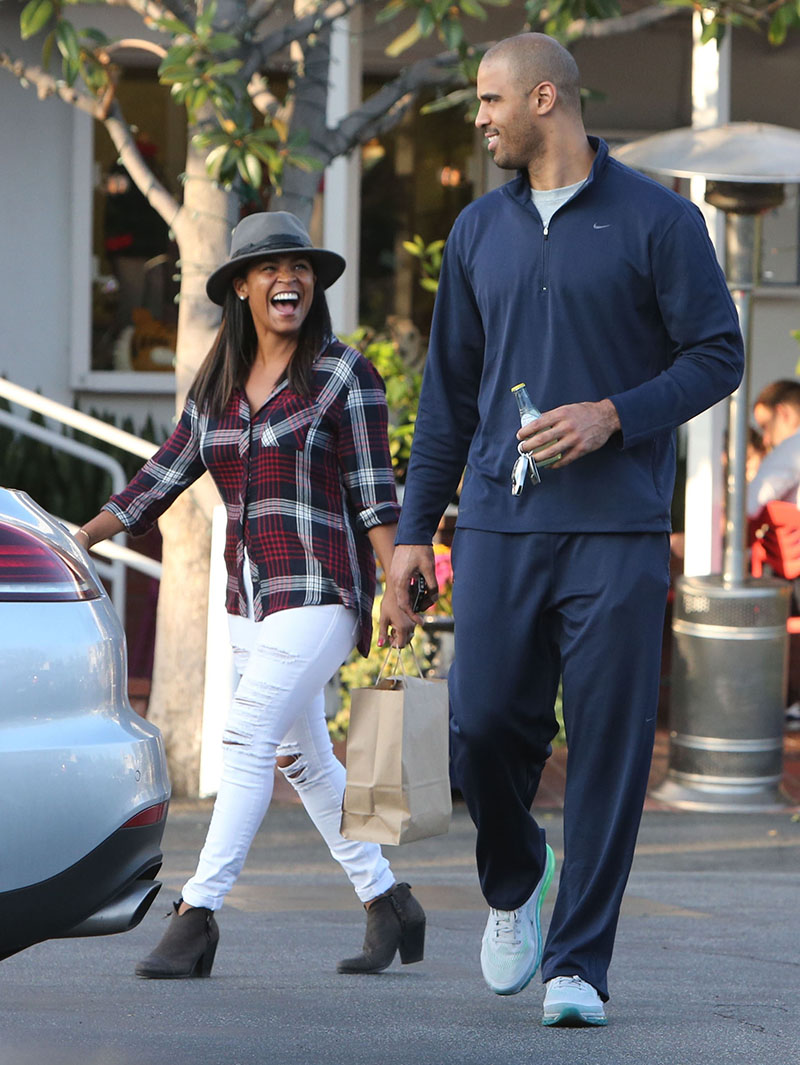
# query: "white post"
{"points": [[80, 223], [342, 200], [220, 679], [705, 487]]}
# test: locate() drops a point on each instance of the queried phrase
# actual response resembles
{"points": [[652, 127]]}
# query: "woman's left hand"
{"points": [[395, 626]]}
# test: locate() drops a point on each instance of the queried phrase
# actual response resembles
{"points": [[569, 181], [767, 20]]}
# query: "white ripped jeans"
{"points": [[284, 663]]}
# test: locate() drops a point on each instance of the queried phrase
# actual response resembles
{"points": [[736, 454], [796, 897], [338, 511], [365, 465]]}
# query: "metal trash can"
{"points": [[727, 701]]}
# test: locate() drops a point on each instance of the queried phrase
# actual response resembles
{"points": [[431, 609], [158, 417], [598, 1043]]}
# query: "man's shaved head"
{"points": [[532, 58]]}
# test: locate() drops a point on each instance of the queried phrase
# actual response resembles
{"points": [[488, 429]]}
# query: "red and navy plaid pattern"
{"points": [[302, 481]]}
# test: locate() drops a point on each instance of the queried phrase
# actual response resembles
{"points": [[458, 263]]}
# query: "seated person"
{"points": [[777, 414]]}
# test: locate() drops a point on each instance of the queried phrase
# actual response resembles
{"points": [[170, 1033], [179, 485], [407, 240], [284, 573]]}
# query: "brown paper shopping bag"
{"points": [[398, 780]]}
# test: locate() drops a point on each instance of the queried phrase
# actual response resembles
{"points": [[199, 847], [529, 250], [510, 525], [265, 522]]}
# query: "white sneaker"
{"points": [[512, 943], [572, 1003]]}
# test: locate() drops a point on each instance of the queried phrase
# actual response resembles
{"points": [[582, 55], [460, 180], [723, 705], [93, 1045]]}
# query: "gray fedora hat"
{"points": [[271, 233]]}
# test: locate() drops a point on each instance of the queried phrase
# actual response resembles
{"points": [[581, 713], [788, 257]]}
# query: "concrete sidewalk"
{"points": [[706, 970]]}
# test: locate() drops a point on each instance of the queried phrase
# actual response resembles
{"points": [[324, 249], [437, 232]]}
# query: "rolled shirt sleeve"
{"points": [[175, 466]]}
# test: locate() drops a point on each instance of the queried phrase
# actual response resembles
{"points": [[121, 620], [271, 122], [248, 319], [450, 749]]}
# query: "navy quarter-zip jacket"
{"points": [[621, 297]]}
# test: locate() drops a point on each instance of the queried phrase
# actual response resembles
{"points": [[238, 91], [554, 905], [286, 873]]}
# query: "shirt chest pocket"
{"points": [[289, 428]]}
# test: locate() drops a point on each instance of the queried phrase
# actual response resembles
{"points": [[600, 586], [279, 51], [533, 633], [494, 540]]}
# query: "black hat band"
{"points": [[272, 244]]}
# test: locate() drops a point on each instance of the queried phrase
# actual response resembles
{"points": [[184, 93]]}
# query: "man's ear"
{"points": [[544, 97]]}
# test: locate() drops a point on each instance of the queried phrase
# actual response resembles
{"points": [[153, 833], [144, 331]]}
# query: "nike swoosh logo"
{"points": [[596, 226]]}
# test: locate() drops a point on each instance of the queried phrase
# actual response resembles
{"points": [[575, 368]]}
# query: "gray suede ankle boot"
{"points": [[395, 921], [186, 949]]}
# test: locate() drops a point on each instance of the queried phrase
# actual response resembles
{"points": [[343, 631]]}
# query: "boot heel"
{"points": [[412, 944], [205, 961]]}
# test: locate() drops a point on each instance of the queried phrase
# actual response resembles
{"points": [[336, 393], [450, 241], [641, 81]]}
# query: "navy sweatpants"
{"points": [[530, 608]]}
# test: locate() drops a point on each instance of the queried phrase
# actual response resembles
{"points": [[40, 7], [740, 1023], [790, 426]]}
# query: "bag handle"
{"points": [[401, 671]]}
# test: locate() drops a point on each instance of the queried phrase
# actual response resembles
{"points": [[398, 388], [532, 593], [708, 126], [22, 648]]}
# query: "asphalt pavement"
{"points": [[706, 970]]}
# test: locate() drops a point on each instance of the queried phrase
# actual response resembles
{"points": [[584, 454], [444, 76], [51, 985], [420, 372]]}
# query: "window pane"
{"points": [[134, 308]]}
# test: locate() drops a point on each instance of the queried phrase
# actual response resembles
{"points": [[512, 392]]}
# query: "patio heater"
{"points": [[729, 641]]}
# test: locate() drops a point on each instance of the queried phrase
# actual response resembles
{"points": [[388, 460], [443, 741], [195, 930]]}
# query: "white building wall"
{"points": [[36, 142]]}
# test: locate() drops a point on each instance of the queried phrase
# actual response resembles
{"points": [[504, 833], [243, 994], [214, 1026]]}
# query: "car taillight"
{"points": [[151, 816], [31, 569]]}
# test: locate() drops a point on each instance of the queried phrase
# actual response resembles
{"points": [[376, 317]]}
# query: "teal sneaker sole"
{"points": [[571, 1017], [541, 891]]}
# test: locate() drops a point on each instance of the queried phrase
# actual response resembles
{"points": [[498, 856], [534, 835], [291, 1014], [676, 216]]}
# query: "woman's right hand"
{"points": [[394, 627]]}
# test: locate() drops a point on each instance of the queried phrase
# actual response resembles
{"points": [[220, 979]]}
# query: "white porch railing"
{"points": [[116, 555]]}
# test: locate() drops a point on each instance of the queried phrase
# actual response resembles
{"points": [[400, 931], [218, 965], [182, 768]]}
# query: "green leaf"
{"points": [[392, 10], [177, 72], [264, 152], [95, 35], [472, 8], [453, 33], [426, 21], [34, 17], [250, 170], [47, 49], [173, 26], [205, 22], [223, 70], [215, 159], [404, 41], [305, 162], [453, 99], [68, 44], [429, 284], [222, 42]]}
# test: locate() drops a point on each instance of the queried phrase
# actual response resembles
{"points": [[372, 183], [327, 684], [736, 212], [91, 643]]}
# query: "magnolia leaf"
{"points": [[472, 8], [305, 162], [68, 44], [404, 41], [251, 170], [223, 70], [215, 158], [34, 17], [47, 49], [392, 10], [222, 42]]}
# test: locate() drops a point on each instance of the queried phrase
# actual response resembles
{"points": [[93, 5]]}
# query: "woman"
{"points": [[291, 424]]}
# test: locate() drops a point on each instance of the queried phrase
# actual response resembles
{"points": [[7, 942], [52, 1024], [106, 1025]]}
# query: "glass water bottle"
{"points": [[529, 413]]}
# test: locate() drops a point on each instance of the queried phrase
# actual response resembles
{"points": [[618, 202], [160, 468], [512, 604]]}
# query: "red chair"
{"points": [[775, 542]]}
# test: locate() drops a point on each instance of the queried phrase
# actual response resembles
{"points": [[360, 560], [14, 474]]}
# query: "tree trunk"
{"points": [[202, 231], [309, 117]]}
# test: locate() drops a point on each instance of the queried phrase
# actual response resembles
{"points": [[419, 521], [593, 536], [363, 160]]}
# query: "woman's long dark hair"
{"points": [[227, 365]]}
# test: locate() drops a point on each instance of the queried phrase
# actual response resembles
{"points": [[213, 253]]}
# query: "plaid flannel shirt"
{"points": [[302, 481]]}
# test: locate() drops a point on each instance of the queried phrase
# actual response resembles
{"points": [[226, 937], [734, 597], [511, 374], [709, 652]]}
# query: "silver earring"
{"points": [[242, 297]]}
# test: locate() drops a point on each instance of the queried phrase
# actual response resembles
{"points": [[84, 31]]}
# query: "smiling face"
{"points": [[279, 291], [507, 116]]}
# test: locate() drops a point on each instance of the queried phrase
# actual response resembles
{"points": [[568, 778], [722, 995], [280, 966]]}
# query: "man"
{"points": [[599, 289], [777, 414]]}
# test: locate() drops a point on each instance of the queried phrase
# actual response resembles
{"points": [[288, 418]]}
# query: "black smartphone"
{"points": [[421, 597]]}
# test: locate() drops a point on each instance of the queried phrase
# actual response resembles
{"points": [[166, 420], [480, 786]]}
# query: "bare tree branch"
{"points": [[296, 30], [159, 198], [374, 114], [150, 9], [112, 118], [261, 9], [46, 86], [264, 100], [582, 29]]}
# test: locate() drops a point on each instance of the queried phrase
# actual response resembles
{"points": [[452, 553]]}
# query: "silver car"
{"points": [[84, 788]]}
